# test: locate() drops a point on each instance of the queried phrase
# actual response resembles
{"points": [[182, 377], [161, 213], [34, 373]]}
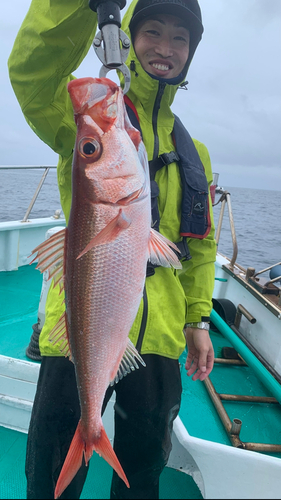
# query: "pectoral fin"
{"points": [[109, 232], [160, 250]]}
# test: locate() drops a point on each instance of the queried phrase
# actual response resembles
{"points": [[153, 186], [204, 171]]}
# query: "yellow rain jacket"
{"points": [[52, 42]]}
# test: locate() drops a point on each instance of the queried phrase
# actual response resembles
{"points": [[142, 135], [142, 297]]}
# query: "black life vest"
{"points": [[195, 213]]}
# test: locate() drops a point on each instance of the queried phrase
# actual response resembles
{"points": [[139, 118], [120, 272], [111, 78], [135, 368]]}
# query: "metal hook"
{"points": [[107, 47]]}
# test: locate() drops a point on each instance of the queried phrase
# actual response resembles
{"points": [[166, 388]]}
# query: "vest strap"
{"points": [[161, 161], [184, 253]]}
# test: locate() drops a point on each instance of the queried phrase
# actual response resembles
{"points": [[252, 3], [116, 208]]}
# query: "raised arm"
{"points": [[54, 38]]}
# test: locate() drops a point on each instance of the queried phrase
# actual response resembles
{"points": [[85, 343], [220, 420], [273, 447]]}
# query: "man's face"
{"points": [[162, 45]]}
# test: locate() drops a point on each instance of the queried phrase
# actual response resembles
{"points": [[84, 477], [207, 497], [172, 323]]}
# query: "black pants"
{"points": [[147, 402]]}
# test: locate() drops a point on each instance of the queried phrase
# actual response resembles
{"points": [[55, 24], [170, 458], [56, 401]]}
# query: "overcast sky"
{"points": [[233, 102]]}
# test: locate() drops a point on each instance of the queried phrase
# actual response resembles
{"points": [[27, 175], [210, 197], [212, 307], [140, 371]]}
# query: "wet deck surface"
{"points": [[19, 298], [261, 422], [173, 484]]}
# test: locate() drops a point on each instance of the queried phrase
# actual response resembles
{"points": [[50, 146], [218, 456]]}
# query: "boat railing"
{"points": [[273, 280], [263, 285], [46, 169], [225, 200]]}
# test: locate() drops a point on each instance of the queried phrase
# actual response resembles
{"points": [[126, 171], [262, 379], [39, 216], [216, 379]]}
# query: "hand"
{"points": [[200, 359]]}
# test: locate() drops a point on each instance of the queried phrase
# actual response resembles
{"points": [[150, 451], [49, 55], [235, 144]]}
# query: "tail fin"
{"points": [[103, 447], [74, 457]]}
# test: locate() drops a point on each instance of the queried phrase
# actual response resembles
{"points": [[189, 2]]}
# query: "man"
{"points": [[51, 43]]}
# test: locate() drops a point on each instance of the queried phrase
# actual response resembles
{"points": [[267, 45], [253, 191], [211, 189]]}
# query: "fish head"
{"points": [[110, 163]]}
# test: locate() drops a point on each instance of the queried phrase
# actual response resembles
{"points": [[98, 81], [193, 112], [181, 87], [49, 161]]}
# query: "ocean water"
{"points": [[256, 213], [257, 222], [17, 188]]}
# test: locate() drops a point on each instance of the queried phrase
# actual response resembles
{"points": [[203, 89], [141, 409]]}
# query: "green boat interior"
{"points": [[173, 484], [247, 402]]}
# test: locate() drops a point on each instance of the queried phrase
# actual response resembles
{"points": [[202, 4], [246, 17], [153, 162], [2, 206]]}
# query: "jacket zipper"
{"points": [[155, 112], [143, 320]]}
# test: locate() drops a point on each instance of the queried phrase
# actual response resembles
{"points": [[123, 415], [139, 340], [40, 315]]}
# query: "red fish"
{"points": [[100, 259]]}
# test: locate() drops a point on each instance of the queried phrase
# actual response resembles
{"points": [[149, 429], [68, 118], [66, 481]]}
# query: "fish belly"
{"points": [[103, 289]]}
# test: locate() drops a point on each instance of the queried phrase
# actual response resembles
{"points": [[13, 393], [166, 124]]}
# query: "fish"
{"points": [[99, 260]]}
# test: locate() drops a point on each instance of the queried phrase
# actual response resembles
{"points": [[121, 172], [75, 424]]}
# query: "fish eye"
{"points": [[90, 148]]}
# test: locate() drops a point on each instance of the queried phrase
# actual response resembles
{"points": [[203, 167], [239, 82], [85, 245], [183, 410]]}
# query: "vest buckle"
{"points": [[168, 158]]}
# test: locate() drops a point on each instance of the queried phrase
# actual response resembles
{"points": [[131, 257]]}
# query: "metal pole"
{"points": [[247, 399], [218, 404], [267, 448], [36, 194], [25, 167], [219, 226], [233, 428], [268, 269], [242, 310], [222, 413], [233, 235]]}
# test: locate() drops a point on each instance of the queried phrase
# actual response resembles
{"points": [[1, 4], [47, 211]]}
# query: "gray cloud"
{"points": [[262, 12], [234, 100], [233, 104]]}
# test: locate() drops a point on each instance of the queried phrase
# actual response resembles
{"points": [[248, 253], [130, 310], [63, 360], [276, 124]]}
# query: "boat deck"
{"points": [[173, 484], [20, 294], [261, 422]]}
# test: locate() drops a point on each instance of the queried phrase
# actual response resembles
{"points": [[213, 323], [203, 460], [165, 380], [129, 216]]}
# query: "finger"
{"points": [[203, 375], [193, 367], [199, 375], [188, 361], [203, 361], [210, 363], [196, 376], [206, 373]]}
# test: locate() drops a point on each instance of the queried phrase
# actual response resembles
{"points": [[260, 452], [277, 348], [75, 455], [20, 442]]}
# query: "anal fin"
{"points": [[59, 336], [129, 362]]}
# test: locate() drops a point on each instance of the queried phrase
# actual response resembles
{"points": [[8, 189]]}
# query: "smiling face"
{"points": [[162, 45]]}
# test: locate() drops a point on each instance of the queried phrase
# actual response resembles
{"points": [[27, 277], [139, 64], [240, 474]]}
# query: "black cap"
{"points": [[187, 10]]}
